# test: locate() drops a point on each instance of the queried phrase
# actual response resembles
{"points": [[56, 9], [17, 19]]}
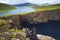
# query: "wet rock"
{"points": [[43, 37]]}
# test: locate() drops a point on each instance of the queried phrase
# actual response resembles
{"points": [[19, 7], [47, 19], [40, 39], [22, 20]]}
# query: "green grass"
{"points": [[44, 8], [6, 7], [50, 7]]}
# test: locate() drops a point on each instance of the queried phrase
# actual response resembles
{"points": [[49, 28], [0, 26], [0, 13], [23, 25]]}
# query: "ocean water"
{"points": [[18, 10], [50, 28]]}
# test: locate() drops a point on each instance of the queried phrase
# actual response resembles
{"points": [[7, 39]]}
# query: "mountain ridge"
{"points": [[27, 4]]}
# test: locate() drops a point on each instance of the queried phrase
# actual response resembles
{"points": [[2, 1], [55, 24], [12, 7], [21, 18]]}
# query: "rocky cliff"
{"points": [[12, 21], [42, 16], [36, 17]]}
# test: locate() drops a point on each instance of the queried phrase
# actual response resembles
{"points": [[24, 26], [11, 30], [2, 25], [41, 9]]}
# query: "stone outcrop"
{"points": [[42, 16], [13, 20], [44, 37]]}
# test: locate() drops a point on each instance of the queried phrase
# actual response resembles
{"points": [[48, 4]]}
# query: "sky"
{"points": [[30, 1]]}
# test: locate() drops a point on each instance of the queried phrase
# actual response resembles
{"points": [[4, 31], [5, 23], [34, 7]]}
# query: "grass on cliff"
{"points": [[50, 7], [6, 7]]}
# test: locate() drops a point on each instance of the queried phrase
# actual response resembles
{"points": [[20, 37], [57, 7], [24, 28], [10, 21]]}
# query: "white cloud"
{"points": [[17, 1], [4, 1], [13, 1], [31, 1], [43, 1]]}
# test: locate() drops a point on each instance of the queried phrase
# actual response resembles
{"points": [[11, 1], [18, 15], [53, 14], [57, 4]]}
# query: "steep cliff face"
{"points": [[42, 16], [54, 15], [16, 20]]}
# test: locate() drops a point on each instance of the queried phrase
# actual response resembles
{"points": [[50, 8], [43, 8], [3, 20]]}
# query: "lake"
{"points": [[18, 10]]}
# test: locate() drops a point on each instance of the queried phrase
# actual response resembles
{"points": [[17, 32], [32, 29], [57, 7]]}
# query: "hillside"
{"points": [[48, 7], [6, 7]]}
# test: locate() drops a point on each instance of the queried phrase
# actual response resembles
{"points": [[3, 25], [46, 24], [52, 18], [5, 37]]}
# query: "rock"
{"points": [[27, 39], [43, 37]]}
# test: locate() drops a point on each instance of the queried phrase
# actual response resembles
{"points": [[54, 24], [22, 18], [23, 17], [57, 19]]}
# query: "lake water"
{"points": [[18, 10]]}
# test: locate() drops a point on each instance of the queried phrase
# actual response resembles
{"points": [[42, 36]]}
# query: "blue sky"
{"points": [[30, 1]]}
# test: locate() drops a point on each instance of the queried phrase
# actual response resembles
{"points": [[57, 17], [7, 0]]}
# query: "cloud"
{"points": [[13, 1], [43, 1], [30, 1], [17, 1], [4, 1]]}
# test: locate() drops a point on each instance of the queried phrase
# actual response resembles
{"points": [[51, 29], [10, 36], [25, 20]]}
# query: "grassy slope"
{"points": [[5, 7], [45, 8], [51, 7]]}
